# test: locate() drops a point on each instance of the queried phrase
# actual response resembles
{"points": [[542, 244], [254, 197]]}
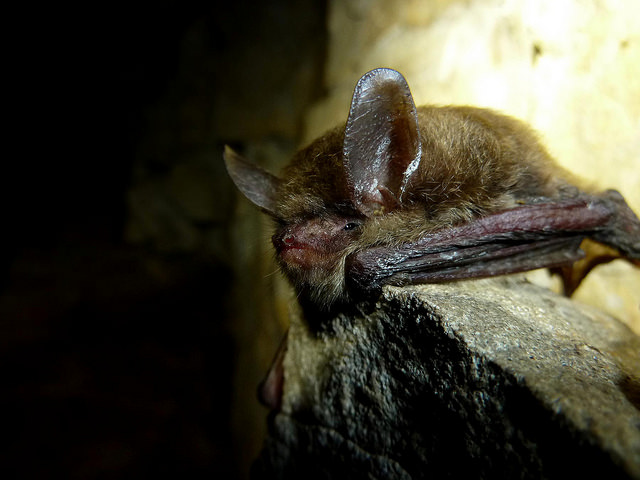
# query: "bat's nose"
{"points": [[286, 240]]}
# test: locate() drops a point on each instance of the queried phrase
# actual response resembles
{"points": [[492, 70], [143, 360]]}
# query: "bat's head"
{"points": [[312, 254], [316, 226], [392, 175], [339, 184]]}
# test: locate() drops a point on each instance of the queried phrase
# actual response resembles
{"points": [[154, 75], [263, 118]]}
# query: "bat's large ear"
{"points": [[258, 185], [382, 145]]}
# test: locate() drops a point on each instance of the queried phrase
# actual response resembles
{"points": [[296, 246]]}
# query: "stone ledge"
{"points": [[495, 378]]}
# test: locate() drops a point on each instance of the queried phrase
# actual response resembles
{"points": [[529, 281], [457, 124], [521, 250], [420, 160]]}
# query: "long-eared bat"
{"points": [[403, 195]]}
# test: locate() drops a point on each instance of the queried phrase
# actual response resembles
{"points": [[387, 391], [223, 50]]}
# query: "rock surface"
{"points": [[487, 379]]}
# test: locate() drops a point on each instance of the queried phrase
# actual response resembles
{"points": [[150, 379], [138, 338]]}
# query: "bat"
{"points": [[403, 195]]}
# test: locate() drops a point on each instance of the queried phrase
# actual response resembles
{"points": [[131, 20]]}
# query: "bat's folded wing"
{"points": [[543, 235]]}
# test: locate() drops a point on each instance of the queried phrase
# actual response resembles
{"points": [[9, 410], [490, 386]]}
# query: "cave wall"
{"points": [[570, 69]]}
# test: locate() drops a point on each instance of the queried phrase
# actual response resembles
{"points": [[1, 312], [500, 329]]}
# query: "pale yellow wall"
{"points": [[570, 68]]}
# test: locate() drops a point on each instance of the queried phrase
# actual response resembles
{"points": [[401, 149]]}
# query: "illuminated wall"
{"points": [[569, 68]]}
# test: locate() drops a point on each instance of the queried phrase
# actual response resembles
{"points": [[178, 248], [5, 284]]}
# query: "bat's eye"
{"points": [[351, 226]]}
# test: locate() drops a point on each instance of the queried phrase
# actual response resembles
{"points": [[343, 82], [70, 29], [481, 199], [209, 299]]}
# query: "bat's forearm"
{"points": [[524, 238]]}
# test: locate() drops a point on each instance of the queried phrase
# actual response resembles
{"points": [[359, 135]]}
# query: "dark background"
{"points": [[117, 350]]}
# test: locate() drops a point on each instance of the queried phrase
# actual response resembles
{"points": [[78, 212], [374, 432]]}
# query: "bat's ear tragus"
{"points": [[383, 202], [391, 202]]}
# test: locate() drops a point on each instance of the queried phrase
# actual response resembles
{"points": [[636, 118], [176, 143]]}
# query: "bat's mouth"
{"points": [[300, 255], [297, 256], [290, 250], [271, 388]]}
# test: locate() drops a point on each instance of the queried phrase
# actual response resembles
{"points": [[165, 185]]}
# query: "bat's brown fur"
{"points": [[473, 162]]}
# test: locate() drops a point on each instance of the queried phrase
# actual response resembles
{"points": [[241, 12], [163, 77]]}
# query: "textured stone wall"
{"points": [[247, 71], [495, 378]]}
